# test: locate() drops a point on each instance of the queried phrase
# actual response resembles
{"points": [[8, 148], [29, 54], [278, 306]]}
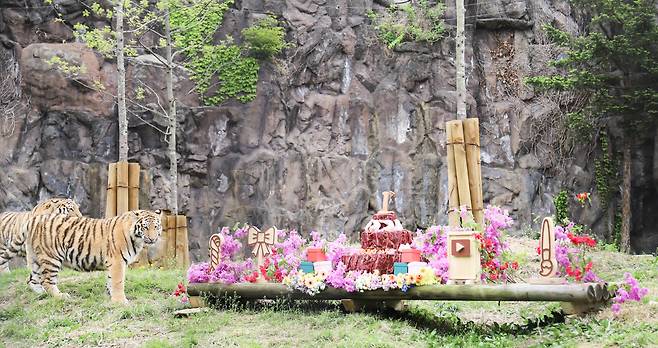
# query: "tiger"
{"points": [[12, 226], [87, 244]]}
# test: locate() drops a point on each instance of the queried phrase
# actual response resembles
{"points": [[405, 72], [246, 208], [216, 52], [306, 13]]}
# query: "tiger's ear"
{"points": [[158, 211]]}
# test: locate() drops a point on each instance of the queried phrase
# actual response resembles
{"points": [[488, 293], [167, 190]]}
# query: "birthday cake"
{"points": [[380, 243]]}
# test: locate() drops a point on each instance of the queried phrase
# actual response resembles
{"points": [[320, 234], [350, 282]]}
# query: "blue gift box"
{"points": [[400, 267], [306, 267]]}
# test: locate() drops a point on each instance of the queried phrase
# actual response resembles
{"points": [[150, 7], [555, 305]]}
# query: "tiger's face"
{"points": [[63, 206], [148, 225]]}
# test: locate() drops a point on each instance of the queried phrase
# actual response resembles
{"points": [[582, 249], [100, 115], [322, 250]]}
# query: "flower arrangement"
{"points": [[629, 290], [571, 253], [495, 256], [282, 265]]}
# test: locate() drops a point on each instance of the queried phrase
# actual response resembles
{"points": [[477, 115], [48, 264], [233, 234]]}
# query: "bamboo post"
{"points": [[461, 169], [133, 186], [171, 238], [453, 195], [472, 139], [182, 248], [122, 187], [111, 196]]}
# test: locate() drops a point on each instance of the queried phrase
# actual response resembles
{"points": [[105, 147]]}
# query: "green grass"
{"points": [[89, 319]]}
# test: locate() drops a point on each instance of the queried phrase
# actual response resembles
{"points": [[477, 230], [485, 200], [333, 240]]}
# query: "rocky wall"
{"points": [[338, 119]]}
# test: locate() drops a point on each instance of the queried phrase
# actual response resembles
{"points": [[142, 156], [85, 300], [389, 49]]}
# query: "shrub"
{"points": [[407, 22], [264, 39]]}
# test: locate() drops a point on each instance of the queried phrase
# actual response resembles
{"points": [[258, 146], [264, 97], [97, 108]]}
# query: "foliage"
{"points": [[604, 171], [561, 203], [265, 39], [616, 59], [419, 22]]}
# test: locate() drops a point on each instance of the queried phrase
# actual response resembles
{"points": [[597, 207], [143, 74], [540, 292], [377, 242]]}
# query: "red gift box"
{"points": [[409, 255], [315, 255]]}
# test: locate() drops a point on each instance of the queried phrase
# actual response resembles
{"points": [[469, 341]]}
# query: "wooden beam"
{"points": [[580, 293]]}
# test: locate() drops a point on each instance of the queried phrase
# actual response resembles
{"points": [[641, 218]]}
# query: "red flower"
{"points": [[504, 266], [588, 266], [515, 265], [493, 276], [538, 251]]}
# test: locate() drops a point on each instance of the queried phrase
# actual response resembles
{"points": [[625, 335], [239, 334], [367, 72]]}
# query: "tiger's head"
{"points": [[65, 206], [147, 225]]}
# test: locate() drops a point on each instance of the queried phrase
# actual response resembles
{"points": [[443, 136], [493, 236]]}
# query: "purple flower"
{"points": [[616, 308]]}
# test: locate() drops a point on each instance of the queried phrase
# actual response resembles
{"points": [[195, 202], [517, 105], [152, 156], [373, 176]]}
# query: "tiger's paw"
{"points": [[63, 296], [37, 288], [120, 300]]}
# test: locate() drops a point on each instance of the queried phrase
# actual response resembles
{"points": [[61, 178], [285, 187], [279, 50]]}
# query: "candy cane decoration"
{"points": [[214, 250]]}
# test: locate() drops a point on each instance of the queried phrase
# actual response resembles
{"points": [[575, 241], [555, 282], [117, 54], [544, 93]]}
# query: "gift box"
{"points": [[322, 266], [414, 267], [409, 255], [306, 267], [315, 255], [400, 267]]}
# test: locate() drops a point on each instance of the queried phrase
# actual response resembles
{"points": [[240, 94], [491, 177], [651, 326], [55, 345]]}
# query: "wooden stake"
{"points": [[453, 195], [111, 197], [133, 186], [472, 138], [461, 169], [122, 187], [182, 248]]}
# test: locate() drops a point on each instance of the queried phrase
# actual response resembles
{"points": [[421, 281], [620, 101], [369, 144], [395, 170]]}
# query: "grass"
{"points": [[89, 319]]}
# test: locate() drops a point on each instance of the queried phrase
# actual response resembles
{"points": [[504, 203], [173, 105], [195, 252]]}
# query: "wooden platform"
{"points": [[590, 293]]}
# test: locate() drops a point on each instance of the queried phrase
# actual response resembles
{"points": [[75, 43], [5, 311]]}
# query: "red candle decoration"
{"points": [[409, 255], [315, 255]]}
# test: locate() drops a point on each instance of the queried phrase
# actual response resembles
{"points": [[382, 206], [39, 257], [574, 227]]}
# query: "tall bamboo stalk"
{"points": [[453, 195], [472, 139]]}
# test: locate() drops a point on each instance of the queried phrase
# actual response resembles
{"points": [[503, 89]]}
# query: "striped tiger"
{"points": [[12, 226], [87, 244]]}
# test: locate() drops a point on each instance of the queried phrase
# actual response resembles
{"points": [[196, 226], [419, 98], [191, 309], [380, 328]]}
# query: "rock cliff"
{"points": [[338, 119]]}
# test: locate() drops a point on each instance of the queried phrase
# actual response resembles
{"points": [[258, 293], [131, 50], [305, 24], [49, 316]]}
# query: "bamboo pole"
{"points": [[461, 169], [472, 139], [182, 248], [171, 238], [579, 293], [133, 186], [122, 187], [111, 195], [453, 195]]}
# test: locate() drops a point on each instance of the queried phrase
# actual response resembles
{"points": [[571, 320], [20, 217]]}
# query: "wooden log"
{"points": [[575, 293], [472, 139], [453, 195], [111, 196], [122, 187], [133, 186], [182, 246], [461, 169]]}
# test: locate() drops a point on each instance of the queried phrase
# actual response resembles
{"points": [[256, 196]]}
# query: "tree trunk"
{"points": [[626, 199], [173, 166], [121, 84]]}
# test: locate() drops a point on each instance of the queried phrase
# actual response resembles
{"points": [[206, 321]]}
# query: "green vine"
{"points": [[616, 232], [408, 22], [604, 171], [222, 71], [561, 203]]}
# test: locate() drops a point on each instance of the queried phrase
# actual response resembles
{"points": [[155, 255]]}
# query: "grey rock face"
{"points": [[337, 120]]}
